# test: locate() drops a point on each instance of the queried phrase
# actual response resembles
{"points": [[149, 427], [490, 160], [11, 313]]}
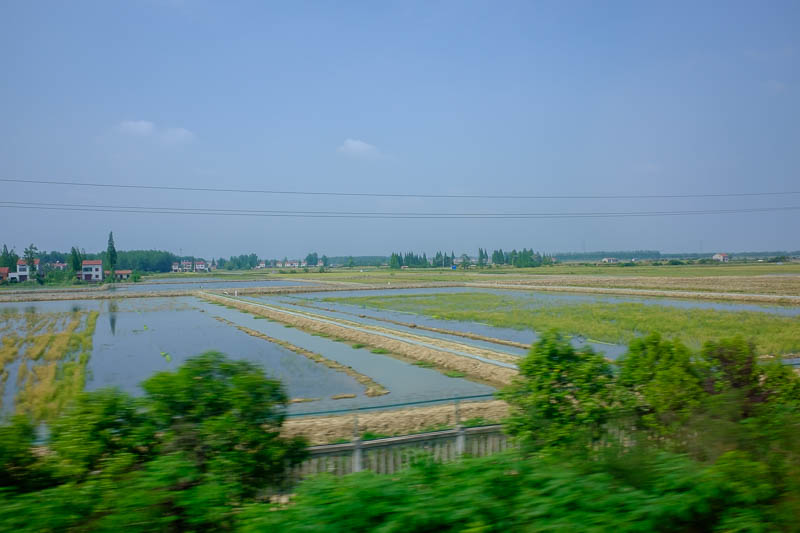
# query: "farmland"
{"points": [[351, 339], [615, 322]]}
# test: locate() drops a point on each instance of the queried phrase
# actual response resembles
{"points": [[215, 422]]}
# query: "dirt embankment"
{"points": [[465, 334], [328, 429], [439, 343], [373, 387], [487, 372], [588, 287]]}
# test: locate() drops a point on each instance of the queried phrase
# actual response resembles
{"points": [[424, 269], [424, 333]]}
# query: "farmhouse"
{"points": [[119, 275], [176, 267], [200, 266], [23, 272], [610, 260], [3, 273], [722, 258], [91, 270], [58, 266]]}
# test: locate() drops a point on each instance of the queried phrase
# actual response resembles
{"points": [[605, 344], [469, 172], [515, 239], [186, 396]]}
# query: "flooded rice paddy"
{"points": [[52, 350], [131, 339]]}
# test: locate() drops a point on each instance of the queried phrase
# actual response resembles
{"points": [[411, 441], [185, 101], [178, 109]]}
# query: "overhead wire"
{"points": [[375, 214], [507, 196]]}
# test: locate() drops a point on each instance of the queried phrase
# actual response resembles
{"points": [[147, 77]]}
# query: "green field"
{"points": [[617, 323]]}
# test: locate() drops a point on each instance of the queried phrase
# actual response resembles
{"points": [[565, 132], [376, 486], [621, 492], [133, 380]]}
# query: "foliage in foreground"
{"points": [[668, 440], [510, 493], [721, 408], [203, 441]]}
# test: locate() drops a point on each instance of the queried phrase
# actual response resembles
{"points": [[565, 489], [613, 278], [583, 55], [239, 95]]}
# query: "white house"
{"points": [[186, 265], [176, 267], [23, 273], [200, 266], [610, 260], [91, 270], [722, 258]]}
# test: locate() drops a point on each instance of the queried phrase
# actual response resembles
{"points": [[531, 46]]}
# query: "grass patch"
{"points": [[357, 345], [477, 421], [380, 351], [369, 435], [424, 364], [454, 374]]}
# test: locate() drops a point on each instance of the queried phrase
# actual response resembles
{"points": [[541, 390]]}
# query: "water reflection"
{"points": [[113, 307]]}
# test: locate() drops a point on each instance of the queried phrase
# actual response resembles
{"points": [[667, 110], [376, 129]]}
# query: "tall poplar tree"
{"points": [[111, 254]]}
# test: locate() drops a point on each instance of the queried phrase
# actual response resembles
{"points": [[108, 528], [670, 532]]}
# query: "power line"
{"points": [[402, 195], [374, 214]]}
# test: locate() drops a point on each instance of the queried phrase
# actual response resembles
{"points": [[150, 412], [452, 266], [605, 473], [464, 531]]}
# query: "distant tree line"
{"points": [[598, 255], [359, 260], [525, 258], [238, 262]]}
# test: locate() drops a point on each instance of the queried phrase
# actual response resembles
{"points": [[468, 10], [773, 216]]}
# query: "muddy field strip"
{"points": [[498, 374], [333, 428]]}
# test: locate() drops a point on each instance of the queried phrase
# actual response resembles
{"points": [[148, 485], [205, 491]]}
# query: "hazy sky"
{"points": [[400, 97]]}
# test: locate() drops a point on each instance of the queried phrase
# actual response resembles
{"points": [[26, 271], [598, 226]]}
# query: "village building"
{"points": [[3, 273], [186, 265], [91, 270], [722, 258], [23, 273], [176, 267], [610, 260], [261, 264], [58, 266], [119, 275], [200, 266], [289, 264]]}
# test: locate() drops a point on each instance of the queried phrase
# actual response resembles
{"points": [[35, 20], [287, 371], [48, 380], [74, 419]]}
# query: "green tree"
{"points": [[111, 254], [30, 259], [325, 261], [202, 441], [562, 397], [312, 259], [5, 257], [75, 259]]}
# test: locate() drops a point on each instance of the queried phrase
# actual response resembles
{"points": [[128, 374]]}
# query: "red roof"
{"points": [[92, 262], [22, 262], [3, 270], [108, 272]]}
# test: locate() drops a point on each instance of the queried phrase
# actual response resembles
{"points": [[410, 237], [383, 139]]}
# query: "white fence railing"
{"points": [[389, 455]]}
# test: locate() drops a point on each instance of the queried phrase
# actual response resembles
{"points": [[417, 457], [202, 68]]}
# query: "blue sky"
{"points": [[430, 97]]}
